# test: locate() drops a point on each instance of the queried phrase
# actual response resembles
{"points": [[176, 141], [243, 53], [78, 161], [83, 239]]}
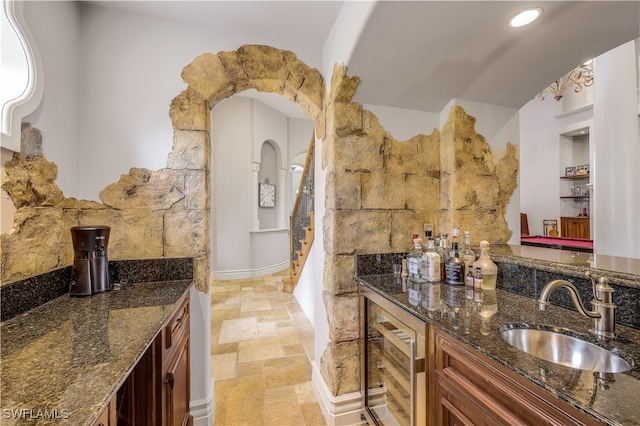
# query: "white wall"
{"points": [[239, 128], [232, 197], [55, 29], [110, 78], [539, 164], [270, 125], [616, 154], [403, 124]]}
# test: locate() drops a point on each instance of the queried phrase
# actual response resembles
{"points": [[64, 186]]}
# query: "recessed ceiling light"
{"points": [[525, 17]]}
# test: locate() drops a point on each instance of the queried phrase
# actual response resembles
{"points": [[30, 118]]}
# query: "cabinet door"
{"points": [[176, 388], [108, 416], [469, 388], [575, 227]]}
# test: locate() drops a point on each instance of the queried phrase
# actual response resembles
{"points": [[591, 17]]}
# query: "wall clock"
{"points": [[267, 194]]}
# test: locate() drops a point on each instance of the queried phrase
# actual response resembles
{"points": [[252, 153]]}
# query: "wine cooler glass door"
{"points": [[394, 368]]}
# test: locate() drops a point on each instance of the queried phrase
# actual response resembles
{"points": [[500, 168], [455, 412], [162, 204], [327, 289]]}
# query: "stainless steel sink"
{"points": [[556, 345]]}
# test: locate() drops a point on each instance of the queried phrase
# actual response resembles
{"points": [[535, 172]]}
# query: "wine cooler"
{"points": [[392, 363]]}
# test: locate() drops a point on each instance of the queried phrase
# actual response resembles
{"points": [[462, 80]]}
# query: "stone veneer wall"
{"points": [[379, 191]]}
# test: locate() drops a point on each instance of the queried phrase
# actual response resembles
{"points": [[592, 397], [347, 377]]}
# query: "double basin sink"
{"points": [[565, 347]]}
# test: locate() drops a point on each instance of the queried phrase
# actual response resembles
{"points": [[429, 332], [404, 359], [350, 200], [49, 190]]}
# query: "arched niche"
{"points": [[21, 76], [269, 186]]}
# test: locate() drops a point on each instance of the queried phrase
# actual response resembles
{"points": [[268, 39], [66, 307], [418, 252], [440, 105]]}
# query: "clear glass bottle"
{"points": [[454, 267], [414, 258], [489, 269], [443, 249], [466, 254], [455, 233]]}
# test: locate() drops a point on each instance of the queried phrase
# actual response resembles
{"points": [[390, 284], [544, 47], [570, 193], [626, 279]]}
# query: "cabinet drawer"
{"points": [[469, 386], [177, 325]]}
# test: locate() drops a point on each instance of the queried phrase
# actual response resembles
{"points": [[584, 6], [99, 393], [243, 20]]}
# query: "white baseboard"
{"points": [[241, 274], [337, 410], [202, 410]]}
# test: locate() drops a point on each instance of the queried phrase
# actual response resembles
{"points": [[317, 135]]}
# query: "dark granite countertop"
{"points": [[62, 361], [610, 399]]}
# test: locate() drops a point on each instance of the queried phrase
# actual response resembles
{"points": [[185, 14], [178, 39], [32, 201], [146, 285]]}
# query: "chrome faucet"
{"points": [[604, 309]]}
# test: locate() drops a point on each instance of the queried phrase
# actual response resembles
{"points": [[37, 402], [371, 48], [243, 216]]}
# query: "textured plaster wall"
{"points": [[379, 190]]}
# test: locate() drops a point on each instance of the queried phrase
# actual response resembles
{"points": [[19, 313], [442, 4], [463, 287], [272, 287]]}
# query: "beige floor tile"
{"points": [[281, 407], [222, 314], [293, 306], [223, 366], [304, 393], [313, 415], [249, 368], [296, 349], [272, 315], [223, 348], [239, 402], [267, 329], [254, 350], [279, 372], [260, 352], [238, 330], [256, 305]]}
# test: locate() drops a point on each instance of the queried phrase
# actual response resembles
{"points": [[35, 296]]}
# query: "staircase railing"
{"points": [[301, 215]]}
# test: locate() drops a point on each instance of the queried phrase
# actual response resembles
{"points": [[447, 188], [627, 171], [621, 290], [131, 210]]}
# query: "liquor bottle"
{"points": [[478, 279], [489, 269], [428, 231], [443, 250], [454, 267], [414, 258], [455, 233], [431, 263], [466, 254]]}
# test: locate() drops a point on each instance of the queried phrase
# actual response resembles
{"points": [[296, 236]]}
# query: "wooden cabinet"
{"points": [[108, 416], [157, 390], [468, 388], [575, 227], [175, 369]]}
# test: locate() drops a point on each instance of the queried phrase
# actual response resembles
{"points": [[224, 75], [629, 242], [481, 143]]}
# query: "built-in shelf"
{"points": [[575, 177], [576, 197]]}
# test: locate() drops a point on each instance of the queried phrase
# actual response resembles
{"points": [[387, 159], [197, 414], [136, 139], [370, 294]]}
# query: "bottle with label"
{"points": [[414, 259], [466, 254], [454, 267], [489, 269], [431, 263], [455, 233], [443, 248], [478, 283], [469, 279]]}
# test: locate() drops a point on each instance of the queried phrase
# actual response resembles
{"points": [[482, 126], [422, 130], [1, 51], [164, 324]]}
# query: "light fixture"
{"points": [[525, 17], [579, 77]]}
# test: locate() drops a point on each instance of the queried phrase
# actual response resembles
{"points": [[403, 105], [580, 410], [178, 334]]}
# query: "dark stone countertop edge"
{"points": [[19, 332]]}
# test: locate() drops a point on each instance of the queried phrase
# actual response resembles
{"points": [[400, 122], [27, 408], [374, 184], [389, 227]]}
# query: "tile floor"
{"points": [[261, 352]]}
